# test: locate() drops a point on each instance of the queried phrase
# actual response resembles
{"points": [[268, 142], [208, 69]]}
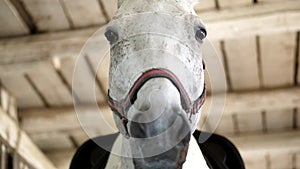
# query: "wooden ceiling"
{"points": [[256, 40]]}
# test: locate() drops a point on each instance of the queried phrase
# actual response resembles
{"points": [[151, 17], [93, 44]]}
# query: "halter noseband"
{"points": [[120, 108]]}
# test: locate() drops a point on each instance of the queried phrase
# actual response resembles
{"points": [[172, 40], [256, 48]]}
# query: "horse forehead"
{"points": [[174, 7]]}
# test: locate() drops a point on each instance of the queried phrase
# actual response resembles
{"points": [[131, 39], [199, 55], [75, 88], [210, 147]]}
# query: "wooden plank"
{"points": [[297, 117], [268, 1], [298, 160], [249, 11], [32, 154], [298, 78], [278, 22], [10, 131], [234, 3], [11, 22], [82, 92], [226, 125], [12, 109], [242, 63], [27, 97], [79, 137], [279, 119], [52, 141], [281, 160], [51, 87], [61, 159], [262, 100], [48, 15], [84, 13], [41, 47], [207, 82], [250, 122], [102, 71], [110, 7], [277, 59], [255, 161], [66, 66], [98, 60], [214, 55], [241, 103], [268, 143], [2, 159], [66, 120], [4, 99], [204, 5]]}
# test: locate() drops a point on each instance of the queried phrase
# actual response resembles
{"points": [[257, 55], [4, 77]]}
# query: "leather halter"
{"points": [[120, 108]]}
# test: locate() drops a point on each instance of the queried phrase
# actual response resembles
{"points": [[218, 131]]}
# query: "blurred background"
{"points": [[256, 40]]}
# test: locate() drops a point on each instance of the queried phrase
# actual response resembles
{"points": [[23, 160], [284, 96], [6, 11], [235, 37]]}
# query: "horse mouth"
{"points": [[177, 139], [171, 159]]}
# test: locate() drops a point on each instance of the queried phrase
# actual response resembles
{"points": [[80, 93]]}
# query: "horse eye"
{"points": [[111, 36], [200, 34]]}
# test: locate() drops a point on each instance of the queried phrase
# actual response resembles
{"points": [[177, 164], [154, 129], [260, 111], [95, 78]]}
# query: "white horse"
{"points": [[156, 85], [156, 91]]}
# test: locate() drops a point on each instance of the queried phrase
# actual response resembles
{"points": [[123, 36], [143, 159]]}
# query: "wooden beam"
{"points": [[277, 22], [34, 51], [12, 23], [247, 11], [22, 144], [61, 159], [64, 119], [278, 59], [110, 7], [234, 3], [262, 100], [275, 149], [242, 63], [48, 15], [281, 119], [25, 98], [42, 46], [37, 48], [287, 141], [84, 13], [50, 86]]}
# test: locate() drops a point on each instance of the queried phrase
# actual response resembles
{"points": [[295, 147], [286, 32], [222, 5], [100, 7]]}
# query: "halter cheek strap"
{"points": [[120, 108]]}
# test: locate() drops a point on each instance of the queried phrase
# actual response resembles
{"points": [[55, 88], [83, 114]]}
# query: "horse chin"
{"points": [[171, 159]]}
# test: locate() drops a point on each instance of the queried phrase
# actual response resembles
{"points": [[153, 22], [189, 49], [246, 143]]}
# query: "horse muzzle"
{"points": [[159, 127], [157, 117]]}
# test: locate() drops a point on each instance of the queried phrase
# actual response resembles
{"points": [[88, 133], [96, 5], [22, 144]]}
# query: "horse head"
{"points": [[156, 78]]}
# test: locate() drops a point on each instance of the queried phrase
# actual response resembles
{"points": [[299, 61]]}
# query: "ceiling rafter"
{"points": [[42, 47]]}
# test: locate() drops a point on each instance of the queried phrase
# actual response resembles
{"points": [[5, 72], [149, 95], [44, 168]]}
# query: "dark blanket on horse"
{"points": [[218, 152]]}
